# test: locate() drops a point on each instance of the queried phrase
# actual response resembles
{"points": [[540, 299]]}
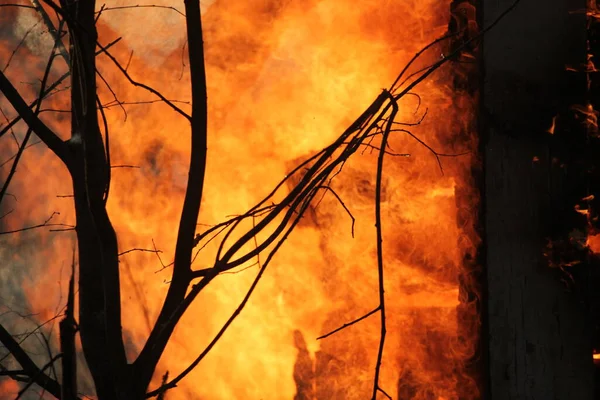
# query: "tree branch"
{"points": [[51, 140], [379, 234], [168, 317], [46, 93], [68, 329], [55, 33], [23, 145], [197, 288], [347, 324], [31, 369], [35, 102], [144, 86]]}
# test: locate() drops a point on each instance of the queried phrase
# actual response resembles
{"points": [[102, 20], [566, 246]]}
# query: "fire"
{"points": [[8, 389], [284, 80], [593, 243]]}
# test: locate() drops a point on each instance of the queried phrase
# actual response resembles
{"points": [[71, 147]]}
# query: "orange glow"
{"points": [[8, 389], [593, 242], [284, 79], [587, 115], [552, 127]]}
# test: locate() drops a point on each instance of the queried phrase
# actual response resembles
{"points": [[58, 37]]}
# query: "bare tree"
{"points": [[86, 155]]}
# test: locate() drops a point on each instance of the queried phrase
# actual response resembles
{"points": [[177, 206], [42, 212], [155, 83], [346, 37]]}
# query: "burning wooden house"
{"points": [[437, 239]]}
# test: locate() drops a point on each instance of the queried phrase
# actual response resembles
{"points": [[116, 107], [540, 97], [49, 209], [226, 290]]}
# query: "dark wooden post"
{"points": [[539, 333]]}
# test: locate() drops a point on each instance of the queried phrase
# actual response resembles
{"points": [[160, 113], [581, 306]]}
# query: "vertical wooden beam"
{"points": [[539, 335]]}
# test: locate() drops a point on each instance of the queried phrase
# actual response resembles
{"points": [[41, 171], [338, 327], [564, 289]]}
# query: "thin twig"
{"points": [[140, 250], [55, 33], [339, 199], [116, 100], [16, 5], [42, 225], [347, 324], [141, 102], [125, 166], [36, 375], [19, 45], [157, 252], [15, 155], [144, 86], [34, 378], [30, 130], [140, 6]]}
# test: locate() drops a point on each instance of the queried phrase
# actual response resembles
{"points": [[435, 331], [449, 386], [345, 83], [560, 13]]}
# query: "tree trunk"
{"points": [[99, 289]]}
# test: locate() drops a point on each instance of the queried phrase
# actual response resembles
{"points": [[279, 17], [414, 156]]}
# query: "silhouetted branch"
{"points": [[106, 147], [181, 278], [317, 173], [140, 6], [32, 371], [46, 223], [53, 142], [125, 166], [68, 329], [16, 5], [142, 85], [49, 91], [108, 46], [19, 374], [48, 349], [347, 324], [140, 250], [164, 380], [34, 379], [157, 252], [116, 100], [19, 45], [139, 103], [339, 199], [55, 33], [45, 94], [196, 290], [379, 234], [9, 159], [22, 337], [384, 393], [23, 145]]}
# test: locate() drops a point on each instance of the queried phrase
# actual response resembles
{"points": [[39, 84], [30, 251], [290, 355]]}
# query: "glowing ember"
{"points": [[593, 243]]}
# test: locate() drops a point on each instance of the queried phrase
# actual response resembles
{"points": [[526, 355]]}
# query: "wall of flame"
{"points": [[285, 78]]}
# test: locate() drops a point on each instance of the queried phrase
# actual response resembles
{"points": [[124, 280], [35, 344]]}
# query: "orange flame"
{"points": [[593, 243], [8, 389]]}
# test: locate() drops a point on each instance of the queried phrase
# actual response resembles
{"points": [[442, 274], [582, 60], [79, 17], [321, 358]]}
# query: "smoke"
{"points": [[33, 32], [158, 30]]}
